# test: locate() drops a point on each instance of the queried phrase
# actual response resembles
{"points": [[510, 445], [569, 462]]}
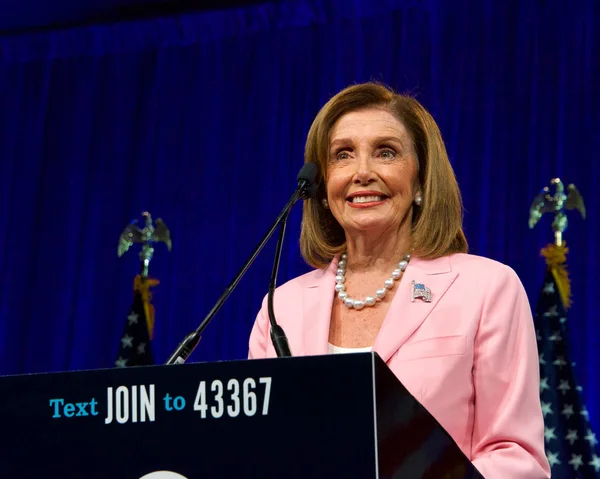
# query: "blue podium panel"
{"points": [[307, 417]]}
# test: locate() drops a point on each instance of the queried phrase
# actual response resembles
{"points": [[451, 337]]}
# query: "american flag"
{"points": [[135, 346], [571, 445]]}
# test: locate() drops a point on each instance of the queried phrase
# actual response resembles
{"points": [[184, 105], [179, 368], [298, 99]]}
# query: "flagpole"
{"points": [[147, 251], [570, 443], [136, 348]]}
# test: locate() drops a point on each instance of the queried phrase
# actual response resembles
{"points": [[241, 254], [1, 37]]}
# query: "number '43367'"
{"points": [[234, 398]]}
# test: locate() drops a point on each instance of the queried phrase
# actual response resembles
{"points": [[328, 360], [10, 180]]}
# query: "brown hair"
{"points": [[436, 224]]}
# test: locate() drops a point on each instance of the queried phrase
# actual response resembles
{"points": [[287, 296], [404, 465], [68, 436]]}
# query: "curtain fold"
{"points": [[201, 119]]}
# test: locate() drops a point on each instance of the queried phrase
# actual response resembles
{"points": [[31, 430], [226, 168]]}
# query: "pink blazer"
{"points": [[469, 356]]}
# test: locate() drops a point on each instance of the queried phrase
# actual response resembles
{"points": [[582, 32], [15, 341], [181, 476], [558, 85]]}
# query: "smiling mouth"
{"points": [[366, 199], [363, 201]]}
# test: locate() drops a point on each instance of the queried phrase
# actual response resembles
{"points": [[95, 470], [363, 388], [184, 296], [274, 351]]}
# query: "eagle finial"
{"points": [[147, 236], [557, 203]]}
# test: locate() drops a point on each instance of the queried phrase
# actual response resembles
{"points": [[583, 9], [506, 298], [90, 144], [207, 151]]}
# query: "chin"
{"points": [[376, 226]]}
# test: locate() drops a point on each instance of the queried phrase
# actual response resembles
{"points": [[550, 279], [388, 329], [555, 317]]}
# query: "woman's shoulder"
{"points": [[310, 279], [482, 267], [468, 260], [461, 262]]}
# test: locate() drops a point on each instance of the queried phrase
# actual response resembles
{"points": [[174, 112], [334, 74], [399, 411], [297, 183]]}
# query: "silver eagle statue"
{"points": [[556, 203], [147, 236]]}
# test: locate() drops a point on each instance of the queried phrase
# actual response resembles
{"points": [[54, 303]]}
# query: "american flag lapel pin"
{"points": [[420, 291]]}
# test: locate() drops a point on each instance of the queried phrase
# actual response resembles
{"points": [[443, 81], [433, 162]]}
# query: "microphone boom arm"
{"points": [[278, 336], [189, 343]]}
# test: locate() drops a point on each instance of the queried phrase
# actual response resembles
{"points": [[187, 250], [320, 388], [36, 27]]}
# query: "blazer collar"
{"points": [[318, 303], [404, 315]]}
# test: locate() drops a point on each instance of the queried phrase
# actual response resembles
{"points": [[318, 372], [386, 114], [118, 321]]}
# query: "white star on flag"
{"points": [[133, 318], [555, 336], [549, 433], [576, 461], [549, 288], [542, 360], [591, 438], [595, 463], [127, 341], [121, 363], [547, 408], [551, 312], [544, 384], [584, 412], [562, 320], [141, 349], [563, 387], [553, 458], [560, 362], [568, 410], [572, 436]]}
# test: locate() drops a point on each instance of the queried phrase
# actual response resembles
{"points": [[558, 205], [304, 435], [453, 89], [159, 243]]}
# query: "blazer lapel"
{"points": [[404, 315], [317, 304]]}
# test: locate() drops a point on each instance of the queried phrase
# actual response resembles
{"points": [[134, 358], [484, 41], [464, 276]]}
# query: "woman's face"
{"points": [[372, 172]]}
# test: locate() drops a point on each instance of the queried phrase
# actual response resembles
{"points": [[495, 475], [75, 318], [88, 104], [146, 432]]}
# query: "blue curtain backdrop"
{"points": [[201, 119]]}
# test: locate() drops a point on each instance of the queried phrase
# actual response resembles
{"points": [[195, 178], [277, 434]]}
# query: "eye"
{"points": [[388, 153], [341, 154]]}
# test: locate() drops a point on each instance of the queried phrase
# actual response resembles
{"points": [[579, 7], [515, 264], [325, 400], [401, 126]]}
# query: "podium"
{"points": [[337, 416]]}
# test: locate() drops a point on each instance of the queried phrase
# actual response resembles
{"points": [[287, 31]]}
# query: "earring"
{"points": [[419, 199], [325, 203]]}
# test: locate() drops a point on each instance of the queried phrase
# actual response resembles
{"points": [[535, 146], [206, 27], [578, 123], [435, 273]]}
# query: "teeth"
{"points": [[366, 199]]}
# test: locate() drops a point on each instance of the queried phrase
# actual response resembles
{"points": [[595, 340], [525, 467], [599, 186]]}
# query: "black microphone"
{"points": [[305, 181], [278, 337]]}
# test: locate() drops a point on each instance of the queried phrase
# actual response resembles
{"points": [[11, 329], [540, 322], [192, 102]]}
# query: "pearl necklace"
{"points": [[340, 279]]}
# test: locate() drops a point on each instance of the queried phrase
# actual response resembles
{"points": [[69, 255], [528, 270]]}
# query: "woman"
{"points": [[392, 276]]}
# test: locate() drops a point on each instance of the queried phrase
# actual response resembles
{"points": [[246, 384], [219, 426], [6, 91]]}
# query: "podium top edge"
{"points": [[311, 358]]}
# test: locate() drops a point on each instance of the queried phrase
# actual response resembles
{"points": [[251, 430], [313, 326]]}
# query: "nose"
{"points": [[364, 174]]}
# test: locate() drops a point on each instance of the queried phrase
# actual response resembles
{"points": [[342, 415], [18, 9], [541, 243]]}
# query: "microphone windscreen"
{"points": [[308, 173], [311, 191]]}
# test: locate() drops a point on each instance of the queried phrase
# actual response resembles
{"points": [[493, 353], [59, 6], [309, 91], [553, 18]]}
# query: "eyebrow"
{"points": [[378, 139], [385, 139]]}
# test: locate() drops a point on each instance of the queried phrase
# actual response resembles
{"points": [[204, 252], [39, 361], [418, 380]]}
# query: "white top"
{"points": [[337, 350]]}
